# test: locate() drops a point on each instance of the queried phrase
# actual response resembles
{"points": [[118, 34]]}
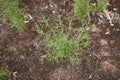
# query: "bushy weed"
{"points": [[11, 13], [60, 44], [83, 8]]}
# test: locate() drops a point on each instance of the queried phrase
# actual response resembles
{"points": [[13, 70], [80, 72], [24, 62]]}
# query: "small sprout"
{"points": [[4, 75]]}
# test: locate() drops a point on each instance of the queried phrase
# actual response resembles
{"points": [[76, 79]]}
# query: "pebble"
{"points": [[103, 42]]}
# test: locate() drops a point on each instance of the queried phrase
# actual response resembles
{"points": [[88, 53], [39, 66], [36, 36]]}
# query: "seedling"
{"points": [[4, 74]]}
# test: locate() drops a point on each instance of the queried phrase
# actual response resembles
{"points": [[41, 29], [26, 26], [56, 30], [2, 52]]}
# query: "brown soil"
{"points": [[20, 50]]}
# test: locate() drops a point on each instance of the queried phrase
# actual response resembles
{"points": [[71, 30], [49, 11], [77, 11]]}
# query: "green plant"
{"points": [[39, 30], [4, 74], [60, 44], [100, 6], [11, 13], [83, 8]]}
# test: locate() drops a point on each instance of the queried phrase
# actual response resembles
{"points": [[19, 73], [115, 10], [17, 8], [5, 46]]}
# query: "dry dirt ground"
{"points": [[20, 50]]}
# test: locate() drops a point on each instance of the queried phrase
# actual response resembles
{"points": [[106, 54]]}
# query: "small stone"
{"points": [[94, 28], [53, 12], [46, 7], [15, 74], [108, 66], [115, 9], [90, 76], [108, 31], [112, 42], [105, 53], [111, 24], [51, 5], [22, 57], [103, 42]]}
